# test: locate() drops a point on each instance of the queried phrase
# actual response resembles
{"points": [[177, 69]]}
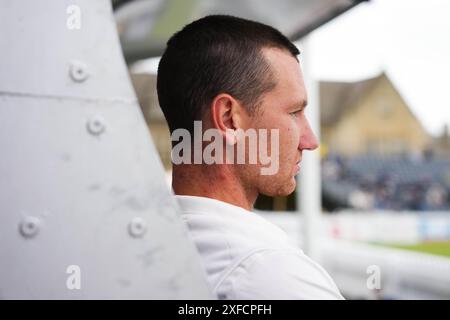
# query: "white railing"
{"points": [[351, 262]]}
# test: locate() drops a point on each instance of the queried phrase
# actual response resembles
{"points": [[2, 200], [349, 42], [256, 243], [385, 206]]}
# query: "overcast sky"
{"points": [[408, 39]]}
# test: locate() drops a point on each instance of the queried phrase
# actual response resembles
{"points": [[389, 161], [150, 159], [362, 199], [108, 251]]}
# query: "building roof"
{"points": [[338, 97]]}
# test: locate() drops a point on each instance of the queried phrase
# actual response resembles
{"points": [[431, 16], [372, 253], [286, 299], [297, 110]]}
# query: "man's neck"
{"points": [[212, 181]]}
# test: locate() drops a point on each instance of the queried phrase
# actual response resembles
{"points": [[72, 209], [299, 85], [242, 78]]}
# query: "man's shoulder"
{"points": [[272, 273], [248, 257]]}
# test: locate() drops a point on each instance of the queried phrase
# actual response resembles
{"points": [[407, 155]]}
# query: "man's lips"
{"points": [[297, 168]]}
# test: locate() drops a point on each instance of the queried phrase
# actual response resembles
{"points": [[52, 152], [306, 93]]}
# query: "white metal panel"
{"points": [[80, 180]]}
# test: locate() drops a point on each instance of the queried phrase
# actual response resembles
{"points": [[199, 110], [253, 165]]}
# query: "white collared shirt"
{"points": [[247, 257]]}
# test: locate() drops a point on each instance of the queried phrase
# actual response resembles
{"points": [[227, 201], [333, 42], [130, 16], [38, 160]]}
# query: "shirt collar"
{"points": [[236, 219]]}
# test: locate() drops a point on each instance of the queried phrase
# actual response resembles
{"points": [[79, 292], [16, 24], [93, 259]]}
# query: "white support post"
{"points": [[309, 190]]}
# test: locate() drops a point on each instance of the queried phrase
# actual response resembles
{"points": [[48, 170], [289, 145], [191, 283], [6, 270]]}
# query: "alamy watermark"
{"points": [[373, 281], [73, 21], [232, 152], [73, 281]]}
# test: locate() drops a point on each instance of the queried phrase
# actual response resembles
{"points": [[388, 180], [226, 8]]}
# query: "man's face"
{"points": [[282, 109]]}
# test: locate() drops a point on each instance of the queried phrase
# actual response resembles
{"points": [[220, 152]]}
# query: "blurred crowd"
{"points": [[406, 182]]}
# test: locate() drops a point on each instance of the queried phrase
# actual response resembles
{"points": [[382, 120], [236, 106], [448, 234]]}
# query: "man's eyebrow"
{"points": [[299, 105]]}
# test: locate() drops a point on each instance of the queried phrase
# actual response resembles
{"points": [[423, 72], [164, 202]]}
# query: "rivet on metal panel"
{"points": [[78, 71], [96, 125], [137, 227], [29, 227]]}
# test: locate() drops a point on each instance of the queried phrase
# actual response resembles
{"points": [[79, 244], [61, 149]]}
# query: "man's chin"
{"points": [[282, 190]]}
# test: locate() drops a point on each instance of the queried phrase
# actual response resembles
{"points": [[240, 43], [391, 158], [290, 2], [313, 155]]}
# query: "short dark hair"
{"points": [[213, 55]]}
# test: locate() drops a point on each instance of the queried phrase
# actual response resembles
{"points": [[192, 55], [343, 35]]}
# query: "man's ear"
{"points": [[227, 115]]}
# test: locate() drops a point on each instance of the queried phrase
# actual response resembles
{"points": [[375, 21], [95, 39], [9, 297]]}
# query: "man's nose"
{"points": [[308, 139]]}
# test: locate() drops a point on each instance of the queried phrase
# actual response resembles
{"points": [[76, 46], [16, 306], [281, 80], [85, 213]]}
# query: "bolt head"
{"points": [[137, 227], [96, 126], [29, 227], [78, 71]]}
